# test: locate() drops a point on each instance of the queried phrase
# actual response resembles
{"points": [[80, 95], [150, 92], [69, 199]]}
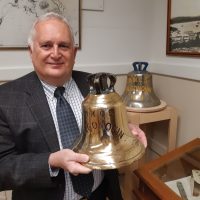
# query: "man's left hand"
{"points": [[139, 133]]}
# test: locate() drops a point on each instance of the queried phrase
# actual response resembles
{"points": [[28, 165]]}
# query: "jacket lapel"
{"points": [[39, 107], [82, 82]]}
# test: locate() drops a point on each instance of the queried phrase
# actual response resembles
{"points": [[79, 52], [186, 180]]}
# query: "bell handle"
{"points": [[105, 86], [112, 82], [101, 83], [140, 66], [90, 79], [97, 84]]}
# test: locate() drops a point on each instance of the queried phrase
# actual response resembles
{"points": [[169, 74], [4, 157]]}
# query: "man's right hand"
{"points": [[69, 161]]}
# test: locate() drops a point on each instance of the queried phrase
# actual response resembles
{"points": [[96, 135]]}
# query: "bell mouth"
{"points": [[113, 156]]}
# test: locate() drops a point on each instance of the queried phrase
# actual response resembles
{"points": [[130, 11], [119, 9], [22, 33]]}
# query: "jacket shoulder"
{"points": [[19, 83]]}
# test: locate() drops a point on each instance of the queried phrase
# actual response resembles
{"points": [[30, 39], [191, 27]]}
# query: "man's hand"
{"points": [[69, 161], [138, 133]]}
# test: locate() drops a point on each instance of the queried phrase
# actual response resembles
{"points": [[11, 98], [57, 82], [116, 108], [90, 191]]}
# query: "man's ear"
{"points": [[75, 52], [30, 49]]}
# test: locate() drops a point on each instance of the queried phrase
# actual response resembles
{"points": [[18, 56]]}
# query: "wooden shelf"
{"points": [[128, 181], [169, 113]]}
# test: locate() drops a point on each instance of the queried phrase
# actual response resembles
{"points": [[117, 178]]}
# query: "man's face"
{"points": [[53, 53]]}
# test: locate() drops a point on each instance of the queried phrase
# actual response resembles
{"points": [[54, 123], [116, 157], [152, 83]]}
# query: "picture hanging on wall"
{"points": [[17, 17], [183, 28]]}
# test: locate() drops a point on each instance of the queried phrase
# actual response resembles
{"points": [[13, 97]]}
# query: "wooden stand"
{"points": [[169, 113], [128, 181]]}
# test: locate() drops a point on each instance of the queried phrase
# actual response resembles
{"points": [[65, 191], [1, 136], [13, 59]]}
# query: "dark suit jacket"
{"points": [[28, 136]]}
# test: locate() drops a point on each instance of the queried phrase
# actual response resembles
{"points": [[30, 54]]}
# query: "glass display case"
{"points": [[170, 176]]}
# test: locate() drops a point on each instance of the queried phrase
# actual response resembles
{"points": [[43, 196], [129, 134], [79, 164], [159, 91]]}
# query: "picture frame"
{"points": [[183, 28], [17, 17]]}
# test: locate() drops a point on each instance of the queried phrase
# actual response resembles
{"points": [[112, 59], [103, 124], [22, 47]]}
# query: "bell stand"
{"points": [[127, 178], [168, 113]]}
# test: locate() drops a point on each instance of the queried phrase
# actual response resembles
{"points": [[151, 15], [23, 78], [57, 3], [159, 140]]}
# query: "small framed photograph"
{"points": [[17, 17], [183, 28]]}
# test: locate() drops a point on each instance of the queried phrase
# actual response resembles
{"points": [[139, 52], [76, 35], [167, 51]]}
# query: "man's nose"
{"points": [[55, 52]]}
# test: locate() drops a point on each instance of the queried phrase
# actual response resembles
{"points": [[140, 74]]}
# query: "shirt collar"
{"points": [[50, 89]]}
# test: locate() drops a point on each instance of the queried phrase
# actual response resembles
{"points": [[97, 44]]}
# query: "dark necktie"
{"points": [[69, 131]]}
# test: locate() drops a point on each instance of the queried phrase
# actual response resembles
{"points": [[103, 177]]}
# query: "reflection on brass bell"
{"points": [[106, 137], [139, 91]]}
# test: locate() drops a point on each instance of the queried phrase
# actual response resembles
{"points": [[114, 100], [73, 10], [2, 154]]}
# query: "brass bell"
{"points": [[106, 137], [139, 91]]}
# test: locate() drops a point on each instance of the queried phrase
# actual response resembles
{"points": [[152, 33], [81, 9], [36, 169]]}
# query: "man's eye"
{"points": [[64, 46], [46, 46]]}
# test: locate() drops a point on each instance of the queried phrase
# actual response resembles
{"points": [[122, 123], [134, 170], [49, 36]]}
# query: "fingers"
{"points": [[75, 164], [143, 139], [70, 161], [81, 158], [77, 168], [138, 133]]}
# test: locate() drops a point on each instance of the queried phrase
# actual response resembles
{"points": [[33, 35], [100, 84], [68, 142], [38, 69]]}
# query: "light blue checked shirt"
{"points": [[74, 97]]}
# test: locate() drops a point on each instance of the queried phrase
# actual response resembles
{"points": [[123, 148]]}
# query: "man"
{"points": [[33, 162]]}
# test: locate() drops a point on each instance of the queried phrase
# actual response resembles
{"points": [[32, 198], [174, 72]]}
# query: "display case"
{"points": [[159, 179]]}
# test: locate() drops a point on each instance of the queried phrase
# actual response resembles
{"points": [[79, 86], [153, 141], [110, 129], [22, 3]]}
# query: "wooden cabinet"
{"points": [[127, 178], [169, 114]]}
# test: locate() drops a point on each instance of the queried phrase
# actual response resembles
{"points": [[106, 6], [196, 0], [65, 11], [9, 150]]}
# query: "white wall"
{"points": [[187, 67], [128, 31], [117, 36], [181, 88], [110, 40], [184, 95]]}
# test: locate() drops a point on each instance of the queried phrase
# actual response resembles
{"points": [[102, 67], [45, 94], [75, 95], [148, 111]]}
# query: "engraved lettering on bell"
{"points": [[108, 127], [139, 91]]}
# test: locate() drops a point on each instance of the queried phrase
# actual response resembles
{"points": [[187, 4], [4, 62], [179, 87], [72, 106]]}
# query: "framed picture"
{"points": [[17, 17], [183, 28]]}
